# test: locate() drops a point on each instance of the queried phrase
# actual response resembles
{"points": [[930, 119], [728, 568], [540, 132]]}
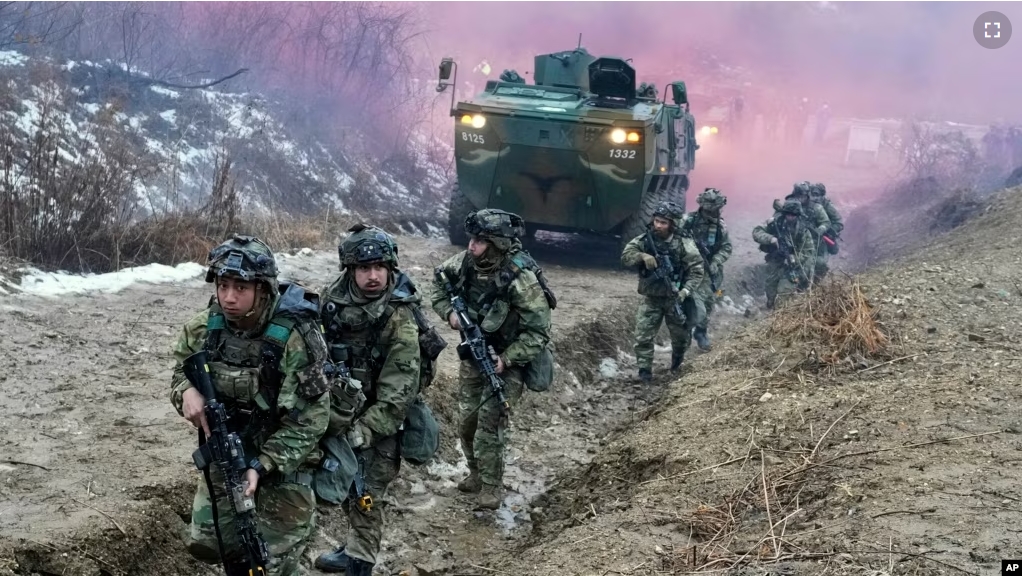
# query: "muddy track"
{"points": [[96, 475]]}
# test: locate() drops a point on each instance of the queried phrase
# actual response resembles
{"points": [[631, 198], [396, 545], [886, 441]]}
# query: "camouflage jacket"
{"points": [[799, 239], [815, 216], [836, 224], [380, 341], [517, 323], [688, 264], [712, 234], [303, 410]]}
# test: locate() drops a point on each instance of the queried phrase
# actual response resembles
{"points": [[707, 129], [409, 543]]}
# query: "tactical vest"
{"points": [[352, 335], [712, 241], [500, 282], [246, 371], [490, 306]]}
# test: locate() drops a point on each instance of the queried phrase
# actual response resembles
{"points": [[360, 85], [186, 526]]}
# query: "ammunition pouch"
{"points": [[420, 437], [539, 373], [336, 472]]}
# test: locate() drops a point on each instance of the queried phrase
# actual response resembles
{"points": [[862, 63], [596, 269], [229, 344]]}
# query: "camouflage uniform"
{"points": [[279, 409], [823, 253], [516, 325], [378, 339], [815, 219], [707, 229], [796, 236], [658, 304]]}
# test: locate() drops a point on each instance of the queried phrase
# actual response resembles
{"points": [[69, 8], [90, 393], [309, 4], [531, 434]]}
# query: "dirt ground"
{"points": [[756, 462], [95, 468]]}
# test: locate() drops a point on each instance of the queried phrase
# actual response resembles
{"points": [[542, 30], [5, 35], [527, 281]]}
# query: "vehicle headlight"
{"points": [[618, 136], [634, 137], [475, 120], [705, 130]]}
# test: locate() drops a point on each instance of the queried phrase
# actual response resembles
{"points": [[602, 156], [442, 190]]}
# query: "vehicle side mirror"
{"points": [[446, 65], [679, 94]]}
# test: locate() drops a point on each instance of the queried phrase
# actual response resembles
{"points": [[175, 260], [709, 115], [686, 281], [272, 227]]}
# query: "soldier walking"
{"points": [[706, 227]]}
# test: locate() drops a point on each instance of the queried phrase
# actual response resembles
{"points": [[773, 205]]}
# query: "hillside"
{"points": [[172, 140], [769, 460]]}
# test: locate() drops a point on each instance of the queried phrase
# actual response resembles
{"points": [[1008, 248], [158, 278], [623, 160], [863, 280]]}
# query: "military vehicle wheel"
{"points": [[459, 209], [636, 225]]}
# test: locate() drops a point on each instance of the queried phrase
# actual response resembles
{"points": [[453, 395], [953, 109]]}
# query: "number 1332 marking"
{"points": [[620, 153]]}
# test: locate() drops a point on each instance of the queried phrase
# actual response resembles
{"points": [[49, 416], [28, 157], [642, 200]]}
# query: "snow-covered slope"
{"points": [[177, 135]]}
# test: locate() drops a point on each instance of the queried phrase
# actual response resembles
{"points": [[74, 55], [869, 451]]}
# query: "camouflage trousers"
{"points": [[285, 516], [656, 310], [365, 529], [485, 432], [706, 295], [822, 257], [779, 289]]}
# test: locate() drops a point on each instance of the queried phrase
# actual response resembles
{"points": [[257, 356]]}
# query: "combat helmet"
{"points": [[711, 199], [792, 207], [670, 211], [802, 188], [245, 257], [366, 245], [498, 227], [819, 190]]}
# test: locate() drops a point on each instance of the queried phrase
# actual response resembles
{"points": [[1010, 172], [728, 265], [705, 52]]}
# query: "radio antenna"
{"points": [[579, 41]]}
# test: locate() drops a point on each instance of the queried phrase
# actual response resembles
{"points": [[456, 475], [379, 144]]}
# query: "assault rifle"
{"points": [[787, 254], [223, 448], [664, 270], [704, 251], [338, 368], [473, 346]]}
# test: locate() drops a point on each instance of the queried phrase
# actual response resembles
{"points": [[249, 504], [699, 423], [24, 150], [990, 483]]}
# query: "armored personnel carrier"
{"points": [[579, 150]]}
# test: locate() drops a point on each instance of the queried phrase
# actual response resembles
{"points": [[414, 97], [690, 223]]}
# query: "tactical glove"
{"points": [[714, 268], [649, 261], [822, 229], [360, 436], [683, 293]]}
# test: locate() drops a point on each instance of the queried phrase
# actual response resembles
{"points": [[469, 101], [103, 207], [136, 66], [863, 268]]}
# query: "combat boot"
{"points": [[358, 567], [676, 359], [702, 339], [490, 497], [335, 562], [471, 484], [646, 374]]}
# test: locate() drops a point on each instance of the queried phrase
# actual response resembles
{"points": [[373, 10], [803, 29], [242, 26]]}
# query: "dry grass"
{"points": [[837, 319]]}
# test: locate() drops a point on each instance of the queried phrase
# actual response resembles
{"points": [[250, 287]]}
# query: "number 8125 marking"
{"points": [[474, 138], [621, 153]]}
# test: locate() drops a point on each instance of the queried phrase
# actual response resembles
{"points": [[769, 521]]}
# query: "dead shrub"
{"points": [[64, 199], [836, 319]]}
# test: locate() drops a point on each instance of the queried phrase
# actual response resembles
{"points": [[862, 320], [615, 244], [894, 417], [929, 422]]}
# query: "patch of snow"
{"points": [[41, 283], [12, 58], [90, 107], [30, 119], [165, 91], [728, 305], [608, 368], [170, 116]]}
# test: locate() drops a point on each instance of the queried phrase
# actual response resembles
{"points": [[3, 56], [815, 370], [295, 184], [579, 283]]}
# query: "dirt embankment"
{"points": [[95, 468], [768, 459]]}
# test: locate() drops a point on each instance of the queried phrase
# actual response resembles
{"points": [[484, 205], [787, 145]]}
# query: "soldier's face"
{"points": [[371, 279], [237, 297], [477, 247], [662, 226], [791, 219]]}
